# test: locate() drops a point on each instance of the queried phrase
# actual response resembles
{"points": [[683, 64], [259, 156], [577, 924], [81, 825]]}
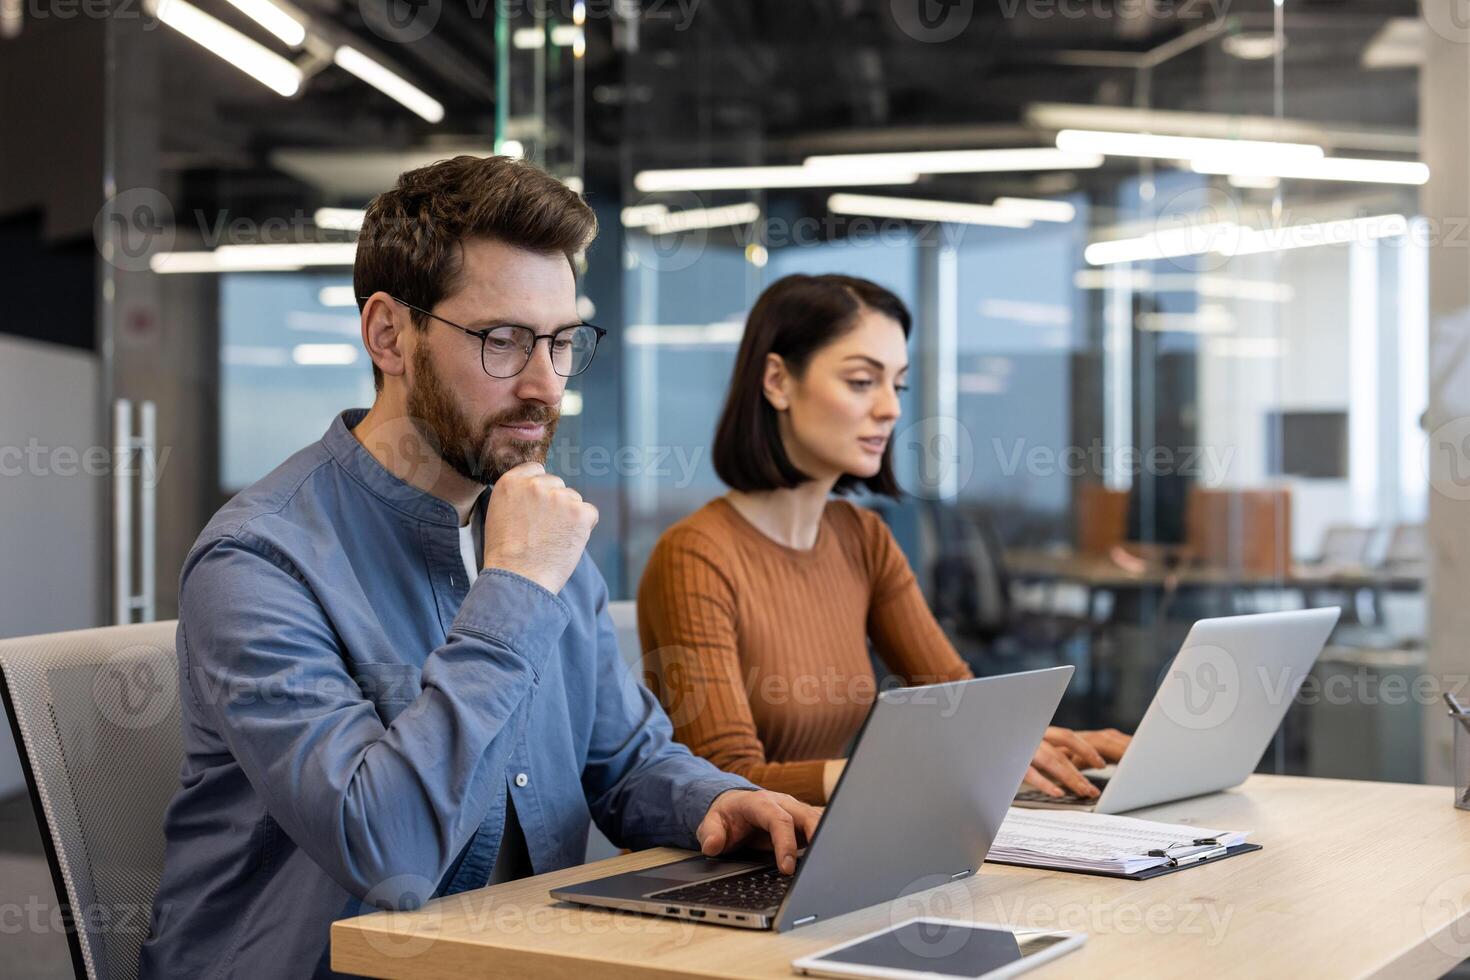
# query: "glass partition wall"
{"points": [[243, 142], [1167, 264], [1170, 291]]}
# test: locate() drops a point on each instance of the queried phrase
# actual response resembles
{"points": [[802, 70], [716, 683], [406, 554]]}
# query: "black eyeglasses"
{"points": [[506, 350]]}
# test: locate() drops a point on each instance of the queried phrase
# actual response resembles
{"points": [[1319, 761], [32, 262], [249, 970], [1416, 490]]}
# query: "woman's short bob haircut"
{"points": [[795, 317]]}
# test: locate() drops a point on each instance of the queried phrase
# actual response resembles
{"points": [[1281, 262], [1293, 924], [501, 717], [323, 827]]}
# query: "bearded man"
{"points": [[397, 672]]}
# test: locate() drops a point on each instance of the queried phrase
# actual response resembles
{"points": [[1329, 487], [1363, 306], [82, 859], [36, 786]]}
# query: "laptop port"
{"points": [[669, 909], [697, 913]]}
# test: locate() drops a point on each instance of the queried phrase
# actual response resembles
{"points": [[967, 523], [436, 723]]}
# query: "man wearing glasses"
{"points": [[395, 683]]}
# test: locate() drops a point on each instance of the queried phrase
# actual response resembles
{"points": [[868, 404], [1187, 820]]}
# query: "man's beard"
{"points": [[465, 447]]}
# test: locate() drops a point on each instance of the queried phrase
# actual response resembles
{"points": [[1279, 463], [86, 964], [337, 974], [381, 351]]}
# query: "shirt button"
{"points": [[522, 779]]}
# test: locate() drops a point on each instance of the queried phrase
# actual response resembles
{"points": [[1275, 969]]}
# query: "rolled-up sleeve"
{"points": [[643, 788], [367, 802]]}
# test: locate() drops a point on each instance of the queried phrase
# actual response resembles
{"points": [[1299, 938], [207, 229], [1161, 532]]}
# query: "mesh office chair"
{"points": [[96, 719]]}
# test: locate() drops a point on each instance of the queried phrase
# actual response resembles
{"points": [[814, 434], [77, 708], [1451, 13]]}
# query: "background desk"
{"points": [[1357, 879], [1104, 573]]}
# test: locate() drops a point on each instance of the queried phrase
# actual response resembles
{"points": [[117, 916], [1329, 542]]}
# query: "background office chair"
{"points": [[1346, 547], [972, 597], [96, 720]]}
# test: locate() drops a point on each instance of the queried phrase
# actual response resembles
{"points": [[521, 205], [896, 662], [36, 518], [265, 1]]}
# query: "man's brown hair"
{"points": [[409, 245]]}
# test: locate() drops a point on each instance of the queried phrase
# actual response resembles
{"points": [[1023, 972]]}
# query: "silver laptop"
{"points": [[929, 782], [1218, 705]]}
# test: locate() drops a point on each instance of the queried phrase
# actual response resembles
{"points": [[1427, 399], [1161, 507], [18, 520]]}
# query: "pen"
{"points": [[1213, 852], [1195, 858], [1454, 703]]}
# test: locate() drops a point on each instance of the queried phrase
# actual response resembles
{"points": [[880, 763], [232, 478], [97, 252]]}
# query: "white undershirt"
{"points": [[467, 553]]}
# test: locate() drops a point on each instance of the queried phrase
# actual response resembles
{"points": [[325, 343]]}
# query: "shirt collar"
{"points": [[362, 466]]}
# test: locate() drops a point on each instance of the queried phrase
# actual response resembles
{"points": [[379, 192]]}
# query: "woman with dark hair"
{"points": [[756, 611]]}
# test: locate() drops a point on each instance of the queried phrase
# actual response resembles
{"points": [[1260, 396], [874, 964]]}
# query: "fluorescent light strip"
{"points": [[416, 100], [339, 219], [255, 60], [642, 215], [1411, 173], [1212, 286], [1217, 125], [290, 30], [864, 169], [530, 38], [1059, 211], [910, 209], [256, 258], [1208, 319], [1174, 243], [1248, 182], [1027, 312], [694, 218], [1183, 147], [759, 178], [1231, 239], [316, 354], [1252, 242], [957, 161], [724, 334], [337, 296], [527, 38]]}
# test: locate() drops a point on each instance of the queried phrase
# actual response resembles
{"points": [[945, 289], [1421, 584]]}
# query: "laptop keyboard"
{"points": [[1037, 796], [762, 888]]}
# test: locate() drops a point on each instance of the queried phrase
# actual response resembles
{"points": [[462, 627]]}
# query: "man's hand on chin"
{"points": [[761, 819]]}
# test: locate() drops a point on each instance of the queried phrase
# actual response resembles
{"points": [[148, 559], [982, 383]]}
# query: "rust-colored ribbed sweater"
{"points": [[759, 651]]}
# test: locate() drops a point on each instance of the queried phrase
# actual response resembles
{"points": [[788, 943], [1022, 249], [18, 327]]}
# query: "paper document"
{"points": [[1081, 841]]}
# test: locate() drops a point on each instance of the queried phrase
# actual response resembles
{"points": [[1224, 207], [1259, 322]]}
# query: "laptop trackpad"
{"points": [[694, 869]]}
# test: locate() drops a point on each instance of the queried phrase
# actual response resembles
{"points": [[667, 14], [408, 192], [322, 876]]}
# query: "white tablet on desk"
{"points": [[940, 949]]}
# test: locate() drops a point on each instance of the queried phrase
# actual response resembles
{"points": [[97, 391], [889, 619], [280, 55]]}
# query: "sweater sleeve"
{"points": [[900, 624], [688, 626]]}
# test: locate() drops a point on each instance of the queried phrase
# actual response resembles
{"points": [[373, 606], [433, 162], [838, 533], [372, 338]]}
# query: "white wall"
{"points": [[52, 546]]}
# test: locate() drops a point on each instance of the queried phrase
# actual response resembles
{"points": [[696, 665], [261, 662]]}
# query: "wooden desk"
{"points": [[1103, 573], [1357, 879]]}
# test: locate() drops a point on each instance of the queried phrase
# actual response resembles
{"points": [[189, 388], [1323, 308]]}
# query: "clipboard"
{"points": [[1147, 873]]}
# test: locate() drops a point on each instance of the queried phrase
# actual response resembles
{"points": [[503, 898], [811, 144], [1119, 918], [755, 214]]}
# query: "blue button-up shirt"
{"points": [[356, 716]]}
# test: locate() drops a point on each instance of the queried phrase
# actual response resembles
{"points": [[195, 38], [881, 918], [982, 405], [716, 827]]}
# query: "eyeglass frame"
{"points": [[536, 338]]}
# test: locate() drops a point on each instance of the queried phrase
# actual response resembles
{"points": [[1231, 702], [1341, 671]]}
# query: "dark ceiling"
{"points": [[759, 81]]}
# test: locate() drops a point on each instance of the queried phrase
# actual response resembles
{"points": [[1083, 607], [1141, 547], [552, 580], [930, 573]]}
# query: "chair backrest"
{"points": [[96, 720], [1407, 547], [970, 587], [1102, 519], [1246, 530], [1344, 545]]}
